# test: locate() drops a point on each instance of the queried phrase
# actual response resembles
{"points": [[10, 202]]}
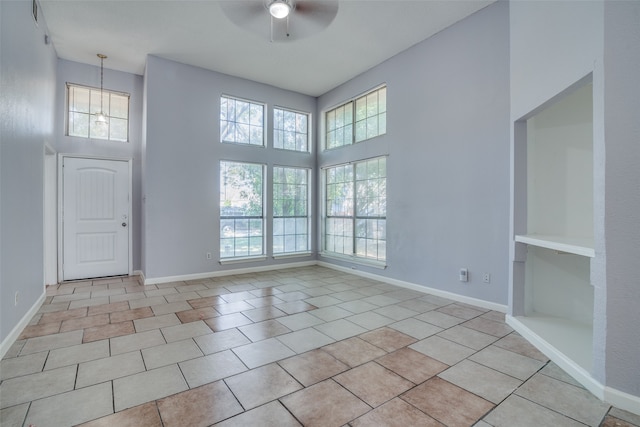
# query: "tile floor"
{"points": [[307, 346]]}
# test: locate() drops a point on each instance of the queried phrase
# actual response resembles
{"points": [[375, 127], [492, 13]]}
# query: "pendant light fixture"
{"points": [[101, 118]]}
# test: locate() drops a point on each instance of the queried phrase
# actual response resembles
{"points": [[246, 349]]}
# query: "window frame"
{"points": [[353, 217], [307, 217], [353, 103], [109, 92], [263, 144], [308, 134], [262, 217]]}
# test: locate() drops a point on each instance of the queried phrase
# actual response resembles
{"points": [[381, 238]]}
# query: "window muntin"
{"points": [[371, 115], [241, 122], [339, 124], [356, 209], [339, 209], [84, 103], [357, 120], [241, 209], [290, 130], [371, 208], [290, 210]]}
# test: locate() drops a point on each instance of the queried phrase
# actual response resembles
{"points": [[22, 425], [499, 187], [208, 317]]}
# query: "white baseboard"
{"points": [[572, 368], [15, 332], [408, 285], [185, 277], [622, 400], [140, 275], [415, 287], [617, 398]]}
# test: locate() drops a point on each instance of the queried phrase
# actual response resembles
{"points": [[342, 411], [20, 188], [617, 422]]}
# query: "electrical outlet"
{"points": [[15, 299], [486, 278], [209, 255], [464, 275]]}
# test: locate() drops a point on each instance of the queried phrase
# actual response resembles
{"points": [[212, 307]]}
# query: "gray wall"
{"points": [[448, 166], [622, 192], [28, 70], [554, 45], [89, 75], [182, 151]]}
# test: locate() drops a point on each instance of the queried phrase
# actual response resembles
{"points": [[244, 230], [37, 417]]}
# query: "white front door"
{"points": [[96, 212]]}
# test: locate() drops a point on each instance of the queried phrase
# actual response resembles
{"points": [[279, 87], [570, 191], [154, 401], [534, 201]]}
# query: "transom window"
{"points": [[290, 130], [83, 105], [241, 209], [356, 209], [241, 122], [290, 210], [357, 120]]}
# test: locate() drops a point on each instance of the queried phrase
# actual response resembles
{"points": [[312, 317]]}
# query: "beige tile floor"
{"points": [[307, 346]]}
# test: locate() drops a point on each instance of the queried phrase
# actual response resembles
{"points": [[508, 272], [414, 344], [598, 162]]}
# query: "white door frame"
{"points": [[61, 158], [50, 247]]}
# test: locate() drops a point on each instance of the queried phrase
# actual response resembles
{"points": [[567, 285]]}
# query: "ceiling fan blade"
{"points": [[317, 6], [245, 13], [308, 17]]}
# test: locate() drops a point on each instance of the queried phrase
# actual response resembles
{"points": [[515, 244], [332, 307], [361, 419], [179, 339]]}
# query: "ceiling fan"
{"points": [[281, 20]]}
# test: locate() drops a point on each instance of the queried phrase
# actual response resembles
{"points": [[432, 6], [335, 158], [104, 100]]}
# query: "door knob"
{"points": [[124, 224]]}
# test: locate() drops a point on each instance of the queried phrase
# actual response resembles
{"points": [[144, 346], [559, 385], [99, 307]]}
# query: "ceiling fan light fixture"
{"points": [[279, 9]]}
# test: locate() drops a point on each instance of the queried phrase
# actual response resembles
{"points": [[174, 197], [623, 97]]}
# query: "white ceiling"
{"points": [[363, 34]]}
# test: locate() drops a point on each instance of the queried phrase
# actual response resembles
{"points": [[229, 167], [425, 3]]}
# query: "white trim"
{"points": [[382, 265], [196, 276], [285, 255], [568, 365], [140, 275], [242, 259], [50, 220], [60, 221], [424, 289], [17, 330], [130, 216], [415, 287], [612, 396], [622, 400]]}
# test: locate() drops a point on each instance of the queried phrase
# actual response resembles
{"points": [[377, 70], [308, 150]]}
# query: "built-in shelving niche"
{"points": [[553, 299]]}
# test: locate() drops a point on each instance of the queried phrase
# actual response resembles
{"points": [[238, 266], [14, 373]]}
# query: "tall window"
{"points": [[84, 103], [241, 209], [241, 122], [356, 209], [290, 130], [339, 210], [290, 210], [357, 120]]}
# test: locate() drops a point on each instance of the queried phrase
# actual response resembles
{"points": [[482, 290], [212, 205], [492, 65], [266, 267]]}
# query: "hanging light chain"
{"points": [[101, 117]]}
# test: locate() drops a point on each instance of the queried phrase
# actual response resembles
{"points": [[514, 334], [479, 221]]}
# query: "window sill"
{"points": [[292, 255], [243, 144], [242, 259], [382, 265]]}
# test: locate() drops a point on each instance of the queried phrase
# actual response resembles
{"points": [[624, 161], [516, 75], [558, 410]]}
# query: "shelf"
{"points": [[573, 245], [565, 342]]}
